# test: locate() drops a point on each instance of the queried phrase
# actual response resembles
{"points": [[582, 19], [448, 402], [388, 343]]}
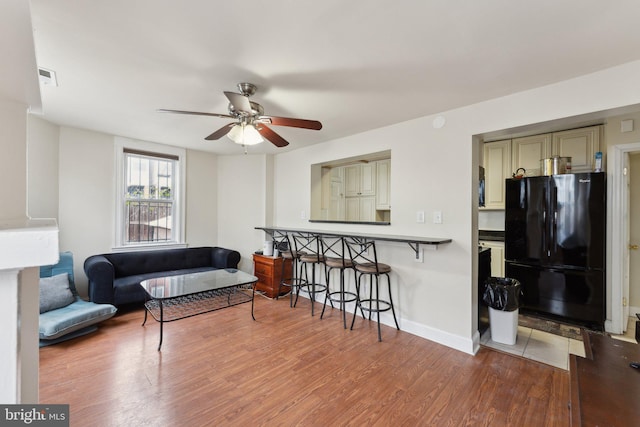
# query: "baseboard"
{"points": [[466, 345]]}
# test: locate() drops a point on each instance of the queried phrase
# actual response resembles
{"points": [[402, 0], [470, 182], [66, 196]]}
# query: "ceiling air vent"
{"points": [[47, 77]]}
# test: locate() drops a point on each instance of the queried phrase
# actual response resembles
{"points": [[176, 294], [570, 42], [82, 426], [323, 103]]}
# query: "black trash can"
{"points": [[502, 295]]}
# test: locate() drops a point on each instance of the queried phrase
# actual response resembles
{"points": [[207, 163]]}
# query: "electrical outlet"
{"points": [[303, 215], [420, 216], [437, 217]]}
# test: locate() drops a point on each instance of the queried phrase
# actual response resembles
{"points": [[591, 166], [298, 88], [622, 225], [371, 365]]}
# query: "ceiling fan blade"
{"points": [[240, 102], [269, 134], [195, 113], [221, 132], [296, 123]]}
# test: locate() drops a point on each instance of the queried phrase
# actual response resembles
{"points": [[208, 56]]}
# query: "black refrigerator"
{"points": [[555, 245]]}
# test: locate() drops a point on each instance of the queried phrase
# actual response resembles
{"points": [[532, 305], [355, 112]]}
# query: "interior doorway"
{"points": [[623, 225], [634, 234]]}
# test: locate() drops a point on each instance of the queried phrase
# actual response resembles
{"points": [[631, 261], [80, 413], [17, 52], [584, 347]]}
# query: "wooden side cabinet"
{"points": [[268, 270]]}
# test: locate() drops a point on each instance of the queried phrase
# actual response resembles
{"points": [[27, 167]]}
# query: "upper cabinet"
{"points": [[497, 166], [360, 180], [527, 152], [502, 159], [579, 144]]}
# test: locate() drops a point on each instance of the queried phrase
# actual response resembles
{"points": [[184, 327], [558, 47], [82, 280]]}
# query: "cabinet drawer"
{"points": [[264, 269], [263, 277]]}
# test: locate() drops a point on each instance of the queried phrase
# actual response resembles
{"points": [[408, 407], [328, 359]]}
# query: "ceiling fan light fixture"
{"points": [[245, 134]]}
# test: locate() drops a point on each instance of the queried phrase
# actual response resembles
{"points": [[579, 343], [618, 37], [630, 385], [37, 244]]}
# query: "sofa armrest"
{"points": [[100, 273], [224, 258]]}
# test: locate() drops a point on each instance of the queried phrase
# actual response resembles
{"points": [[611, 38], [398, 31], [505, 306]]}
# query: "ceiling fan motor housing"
{"points": [[247, 89]]}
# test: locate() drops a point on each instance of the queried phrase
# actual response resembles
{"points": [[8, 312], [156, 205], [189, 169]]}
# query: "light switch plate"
{"points": [[437, 217]]}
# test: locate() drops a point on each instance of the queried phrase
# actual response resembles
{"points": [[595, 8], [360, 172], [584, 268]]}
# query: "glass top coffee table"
{"points": [[177, 297]]}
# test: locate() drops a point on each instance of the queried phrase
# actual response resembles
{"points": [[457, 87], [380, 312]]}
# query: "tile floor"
{"points": [[547, 348], [630, 333]]}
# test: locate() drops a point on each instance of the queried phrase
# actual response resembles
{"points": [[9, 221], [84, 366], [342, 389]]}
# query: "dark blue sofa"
{"points": [[115, 278]]}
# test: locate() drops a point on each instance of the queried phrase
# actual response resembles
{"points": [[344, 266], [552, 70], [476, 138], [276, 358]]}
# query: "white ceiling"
{"points": [[353, 65]]}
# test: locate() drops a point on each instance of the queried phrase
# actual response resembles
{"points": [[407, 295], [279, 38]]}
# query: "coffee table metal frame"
{"points": [[181, 296]]}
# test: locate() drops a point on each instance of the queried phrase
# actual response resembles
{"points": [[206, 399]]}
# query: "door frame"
{"points": [[618, 230]]}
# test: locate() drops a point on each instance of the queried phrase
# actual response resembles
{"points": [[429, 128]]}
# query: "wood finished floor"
{"points": [[288, 368]]}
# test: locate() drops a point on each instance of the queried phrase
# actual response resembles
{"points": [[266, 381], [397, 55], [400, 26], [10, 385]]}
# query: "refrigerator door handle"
{"points": [[554, 231], [545, 243], [545, 227]]}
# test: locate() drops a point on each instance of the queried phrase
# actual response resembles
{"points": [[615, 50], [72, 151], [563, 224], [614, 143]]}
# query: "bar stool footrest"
{"points": [[308, 288], [348, 296], [370, 305]]}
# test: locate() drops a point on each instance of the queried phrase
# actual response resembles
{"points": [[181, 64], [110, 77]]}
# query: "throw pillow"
{"points": [[55, 292]]}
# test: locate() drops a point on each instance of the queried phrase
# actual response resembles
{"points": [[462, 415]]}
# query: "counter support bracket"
{"points": [[416, 248]]}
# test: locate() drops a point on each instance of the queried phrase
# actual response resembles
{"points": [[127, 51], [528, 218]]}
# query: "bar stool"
{"points": [[308, 246], [292, 279], [336, 256], [363, 254]]}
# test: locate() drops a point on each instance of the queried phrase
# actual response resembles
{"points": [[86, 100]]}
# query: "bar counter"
{"points": [[413, 241]]}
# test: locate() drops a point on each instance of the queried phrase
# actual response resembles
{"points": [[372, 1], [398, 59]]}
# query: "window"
{"points": [[148, 195]]}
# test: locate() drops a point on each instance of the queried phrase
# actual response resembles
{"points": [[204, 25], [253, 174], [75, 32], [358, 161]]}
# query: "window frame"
{"points": [[148, 148]]}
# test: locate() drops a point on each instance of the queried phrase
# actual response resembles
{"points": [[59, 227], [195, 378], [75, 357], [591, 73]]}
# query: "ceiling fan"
{"points": [[250, 124]]}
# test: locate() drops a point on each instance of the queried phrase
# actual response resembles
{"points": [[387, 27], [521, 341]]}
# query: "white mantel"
{"points": [[24, 244], [28, 243]]}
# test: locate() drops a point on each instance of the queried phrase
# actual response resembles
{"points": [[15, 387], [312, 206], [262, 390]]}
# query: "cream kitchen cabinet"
{"points": [[579, 144], [497, 165], [383, 187], [360, 191], [361, 208], [526, 153], [360, 180], [497, 256]]}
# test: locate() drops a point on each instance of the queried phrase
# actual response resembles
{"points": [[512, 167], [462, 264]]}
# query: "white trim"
{"points": [[617, 207], [457, 342], [180, 194]]}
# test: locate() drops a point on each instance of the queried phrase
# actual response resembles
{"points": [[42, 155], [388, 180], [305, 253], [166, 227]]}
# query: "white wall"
{"points": [[13, 173], [202, 202], [42, 168], [243, 183], [87, 196], [432, 170]]}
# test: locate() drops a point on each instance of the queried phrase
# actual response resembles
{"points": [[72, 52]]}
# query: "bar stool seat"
{"points": [[371, 268], [338, 262]]}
